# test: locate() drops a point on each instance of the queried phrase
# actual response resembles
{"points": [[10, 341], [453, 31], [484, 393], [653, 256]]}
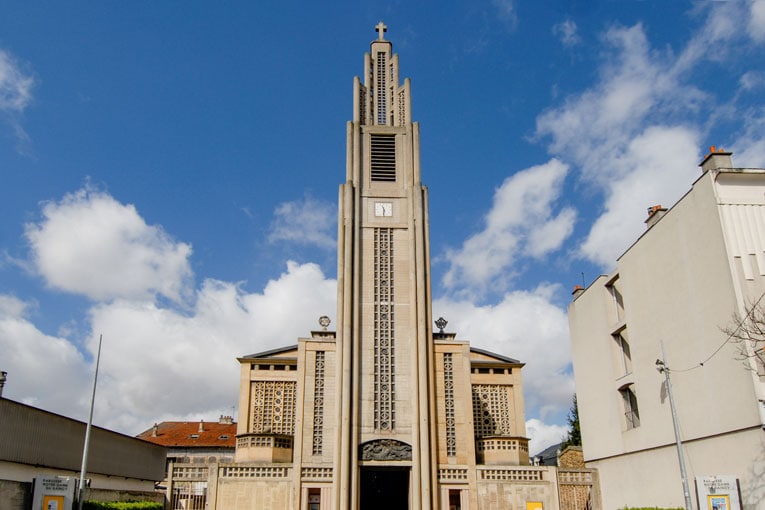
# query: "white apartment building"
{"points": [[697, 264]]}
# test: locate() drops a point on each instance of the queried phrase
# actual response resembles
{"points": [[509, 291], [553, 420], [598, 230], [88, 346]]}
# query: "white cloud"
{"points": [[43, 370], [627, 135], [90, 244], [526, 326], [567, 33], [752, 80], [15, 85], [521, 222], [15, 95], [158, 363], [542, 435], [308, 222], [661, 164], [593, 128], [506, 12], [11, 306], [756, 25], [749, 149], [549, 236]]}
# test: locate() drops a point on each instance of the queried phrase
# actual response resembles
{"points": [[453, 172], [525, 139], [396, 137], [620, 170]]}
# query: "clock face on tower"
{"points": [[383, 209]]}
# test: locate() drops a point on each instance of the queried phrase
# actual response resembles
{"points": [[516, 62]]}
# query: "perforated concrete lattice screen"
{"points": [[492, 409], [318, 404], [451, 437], [273, 407], [384, 355]]}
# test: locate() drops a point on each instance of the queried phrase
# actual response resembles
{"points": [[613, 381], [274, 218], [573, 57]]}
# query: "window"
{"points": [[314, 499], [383, 157], [613, 287], [455, 502], [631, 413], [623, 354]]}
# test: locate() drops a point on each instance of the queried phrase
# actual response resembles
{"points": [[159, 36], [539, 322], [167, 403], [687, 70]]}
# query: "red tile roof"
{"points": [[187, 435]]}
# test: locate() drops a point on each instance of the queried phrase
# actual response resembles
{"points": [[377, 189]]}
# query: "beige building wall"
{"points": [[265, 493], [679, 284]]}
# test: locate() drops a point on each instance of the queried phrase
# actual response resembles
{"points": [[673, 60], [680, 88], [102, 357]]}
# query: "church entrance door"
{"points": [[384, 488]]}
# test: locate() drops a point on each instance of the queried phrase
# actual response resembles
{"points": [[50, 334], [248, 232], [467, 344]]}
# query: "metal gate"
{"points": [[189, 496]]}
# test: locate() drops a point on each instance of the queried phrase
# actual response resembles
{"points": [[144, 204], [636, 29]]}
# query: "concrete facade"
{"points": [[697, 264], [383, 410]]}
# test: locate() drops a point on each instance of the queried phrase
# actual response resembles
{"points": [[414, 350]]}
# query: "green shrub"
{"points": [[651, 508], [125, 505]]}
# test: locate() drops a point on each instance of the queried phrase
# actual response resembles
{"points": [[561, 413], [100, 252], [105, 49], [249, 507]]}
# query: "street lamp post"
{"points": [[663, 368]]}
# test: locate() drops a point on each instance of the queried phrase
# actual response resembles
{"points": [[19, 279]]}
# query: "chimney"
{"points": [[716, 160], [154, 430], [225, 420], [578, 290], [201, 425], [655, 213], [3, 378]]}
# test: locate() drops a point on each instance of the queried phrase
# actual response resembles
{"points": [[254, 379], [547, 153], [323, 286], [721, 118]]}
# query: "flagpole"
{"points": [[85, 448]]}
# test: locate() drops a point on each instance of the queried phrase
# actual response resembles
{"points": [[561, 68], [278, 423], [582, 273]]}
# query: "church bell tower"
{"points": [[385, 349], [384, 412]]}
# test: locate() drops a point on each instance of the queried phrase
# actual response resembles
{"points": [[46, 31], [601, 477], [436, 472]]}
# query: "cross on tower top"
{"points": [[381, 29]]}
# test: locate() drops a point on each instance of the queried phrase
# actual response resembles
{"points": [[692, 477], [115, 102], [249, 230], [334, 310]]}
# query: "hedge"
{"points": [[651, 508]]}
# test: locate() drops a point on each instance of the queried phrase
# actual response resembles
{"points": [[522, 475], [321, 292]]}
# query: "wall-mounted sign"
{"points": [[53, 493], [718, 493]]}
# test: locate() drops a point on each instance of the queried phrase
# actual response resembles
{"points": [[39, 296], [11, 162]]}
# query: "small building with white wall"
{"points": [[35, 442]]}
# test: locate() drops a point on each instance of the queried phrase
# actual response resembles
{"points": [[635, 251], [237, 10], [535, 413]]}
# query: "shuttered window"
{"points": [[383, 158]]}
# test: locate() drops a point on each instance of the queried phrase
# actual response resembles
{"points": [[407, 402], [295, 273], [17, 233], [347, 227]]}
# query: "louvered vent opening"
{"points": [[383, 158], [382, 99]]}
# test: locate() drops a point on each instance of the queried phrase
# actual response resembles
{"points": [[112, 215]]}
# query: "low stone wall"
{"points": [[579, 489], [254, 486], [15, 495], [106, 495], [513, 487]]}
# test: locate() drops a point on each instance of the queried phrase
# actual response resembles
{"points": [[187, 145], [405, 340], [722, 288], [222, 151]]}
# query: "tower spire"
{"points": [[379, 98]]}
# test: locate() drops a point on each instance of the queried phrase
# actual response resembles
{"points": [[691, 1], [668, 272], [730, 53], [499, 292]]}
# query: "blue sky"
{"points": [[169, 173]]}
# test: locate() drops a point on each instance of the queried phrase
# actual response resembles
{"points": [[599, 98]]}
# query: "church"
{"points": [[387, 409]]}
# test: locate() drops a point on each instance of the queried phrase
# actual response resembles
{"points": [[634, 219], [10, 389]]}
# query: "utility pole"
{"points": [[663, 368], [85, 449]]}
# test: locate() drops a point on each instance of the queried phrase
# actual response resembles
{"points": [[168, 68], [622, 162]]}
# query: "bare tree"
{"points": [[748, 332]]}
